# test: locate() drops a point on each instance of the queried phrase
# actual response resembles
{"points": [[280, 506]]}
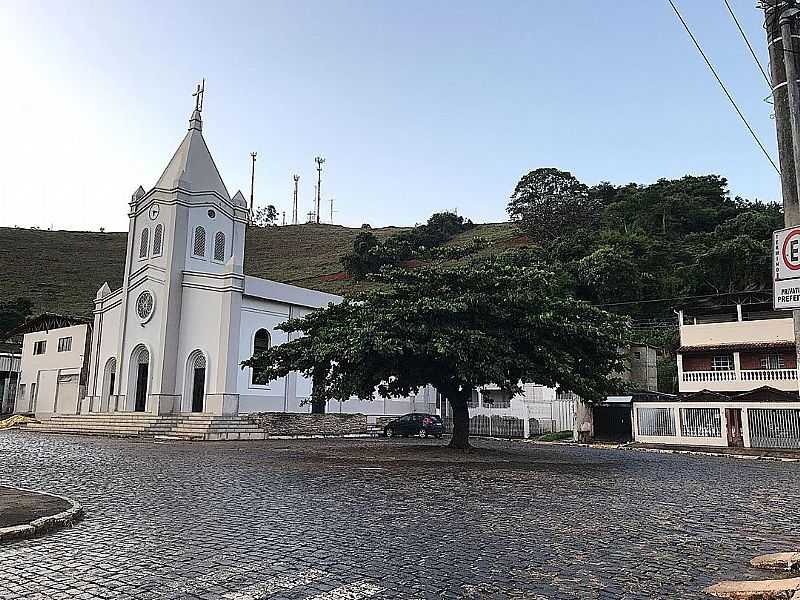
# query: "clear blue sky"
{"points": [[418, 106]]}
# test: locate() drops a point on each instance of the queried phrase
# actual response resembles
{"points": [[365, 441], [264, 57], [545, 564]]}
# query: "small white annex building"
{"points": [[53, 366], [172, 338]]}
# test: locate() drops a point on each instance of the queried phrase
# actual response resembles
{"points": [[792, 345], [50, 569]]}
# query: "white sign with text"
{"points": [[786, 268]]}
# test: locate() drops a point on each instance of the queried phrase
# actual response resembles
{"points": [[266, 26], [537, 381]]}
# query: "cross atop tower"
{"points": [[198, 95]]}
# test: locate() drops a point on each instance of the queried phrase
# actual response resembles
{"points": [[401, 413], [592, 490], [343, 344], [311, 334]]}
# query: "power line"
{"points": [[722, 85], [655, 300], [747, 41]]}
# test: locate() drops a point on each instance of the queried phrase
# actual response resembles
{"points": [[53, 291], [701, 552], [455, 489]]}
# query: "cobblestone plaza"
{"points": [[352, 519]]}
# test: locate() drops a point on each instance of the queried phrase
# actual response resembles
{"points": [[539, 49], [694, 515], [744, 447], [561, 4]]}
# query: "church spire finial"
{"points": [[201, 88], [196, 122]]}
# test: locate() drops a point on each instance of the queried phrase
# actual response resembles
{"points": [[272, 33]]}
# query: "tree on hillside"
{"points": [[362, 258], [499, 320], [549, 204], [265, 216], [12, 314], [369, 254]]}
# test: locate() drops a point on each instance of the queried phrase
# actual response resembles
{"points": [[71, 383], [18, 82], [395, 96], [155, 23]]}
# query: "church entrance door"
{"points": [[198, 389], [141, 388]]}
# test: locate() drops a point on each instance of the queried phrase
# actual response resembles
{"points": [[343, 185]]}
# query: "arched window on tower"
{"points": [[219, 246], [158, 240], [199, 242], [260, 344], [144, 243]]}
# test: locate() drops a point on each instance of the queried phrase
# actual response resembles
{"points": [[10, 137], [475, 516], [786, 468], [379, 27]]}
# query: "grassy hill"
{"points": [[60, 271]]}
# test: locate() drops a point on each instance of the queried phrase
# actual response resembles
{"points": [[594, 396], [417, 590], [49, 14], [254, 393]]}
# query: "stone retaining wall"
{"points": [[275, 423]]}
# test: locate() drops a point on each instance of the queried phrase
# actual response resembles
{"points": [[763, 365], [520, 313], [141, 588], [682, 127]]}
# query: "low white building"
{"points": [[537, 410], [54, 365]]}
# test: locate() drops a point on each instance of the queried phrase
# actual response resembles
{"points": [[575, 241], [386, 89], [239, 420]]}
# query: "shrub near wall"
{"points": [[307, 424]]}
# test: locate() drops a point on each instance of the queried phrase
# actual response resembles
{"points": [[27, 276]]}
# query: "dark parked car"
{"points": [[419, 424]]}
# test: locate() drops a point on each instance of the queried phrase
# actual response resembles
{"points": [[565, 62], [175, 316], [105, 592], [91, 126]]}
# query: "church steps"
{"points": [[187, 427]]}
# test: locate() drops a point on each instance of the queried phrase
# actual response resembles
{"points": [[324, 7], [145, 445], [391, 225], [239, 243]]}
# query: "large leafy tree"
{"points": [[497, 320], [549, 204]]}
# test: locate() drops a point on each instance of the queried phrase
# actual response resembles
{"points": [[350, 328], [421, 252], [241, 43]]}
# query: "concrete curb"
{"points": [[44, 524], [708, 453]]}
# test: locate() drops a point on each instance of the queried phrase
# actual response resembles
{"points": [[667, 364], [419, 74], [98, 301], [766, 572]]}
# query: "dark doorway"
{"points": [[111, 383], [141, 388], [198, 389], [735, 436], [612, 422]]}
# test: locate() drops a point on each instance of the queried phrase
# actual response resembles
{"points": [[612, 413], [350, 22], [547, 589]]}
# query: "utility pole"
{"points": [[780, 19], [331, 210], [294, 206], [320, 161], [252, 180], [310, 216], [284, 218]]}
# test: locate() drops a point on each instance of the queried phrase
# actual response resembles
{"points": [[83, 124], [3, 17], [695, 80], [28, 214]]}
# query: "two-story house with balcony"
{"points": [[730, 353], [737, 382]]}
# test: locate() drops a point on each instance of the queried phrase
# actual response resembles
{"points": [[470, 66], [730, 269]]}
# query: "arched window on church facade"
{"points": [[219, 246], [261, 343], [158, 240], [199, 242], [144, 243]]}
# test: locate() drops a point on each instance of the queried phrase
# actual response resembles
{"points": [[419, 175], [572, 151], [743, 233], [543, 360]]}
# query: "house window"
{"points": [[40, 347], [722, 362], [260, 344], [219, 246], [773, 361], [158, 240], [200, 242], [144, 243], [65, 344]]}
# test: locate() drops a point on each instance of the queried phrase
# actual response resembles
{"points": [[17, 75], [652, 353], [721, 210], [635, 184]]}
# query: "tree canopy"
{"points": [[500, 320], [369, 254]]}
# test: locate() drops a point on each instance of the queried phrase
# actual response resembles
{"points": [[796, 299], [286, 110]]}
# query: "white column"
{"points": [[680, 371], [739, 312], [737, 366]]}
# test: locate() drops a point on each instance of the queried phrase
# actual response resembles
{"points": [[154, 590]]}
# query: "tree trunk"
{"points": [[460, 439], [318, 399]]}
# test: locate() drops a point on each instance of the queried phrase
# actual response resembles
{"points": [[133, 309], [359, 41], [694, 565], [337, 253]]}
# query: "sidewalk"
{"points": [[787, 454], [25, 513]]}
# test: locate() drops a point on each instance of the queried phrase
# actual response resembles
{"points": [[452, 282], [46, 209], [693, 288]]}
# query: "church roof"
{"points": [[192, 167]]}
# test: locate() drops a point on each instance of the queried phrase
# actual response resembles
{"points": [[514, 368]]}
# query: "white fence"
{"points": [[495, 426]]}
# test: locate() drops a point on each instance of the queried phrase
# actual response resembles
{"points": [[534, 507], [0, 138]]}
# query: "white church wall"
{"points": [[105, 345], [142, 332], [274, 396], [200, 216], [200, 330]]}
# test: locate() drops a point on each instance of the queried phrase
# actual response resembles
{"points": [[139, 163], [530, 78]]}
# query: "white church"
{"points": [[172, 338]]}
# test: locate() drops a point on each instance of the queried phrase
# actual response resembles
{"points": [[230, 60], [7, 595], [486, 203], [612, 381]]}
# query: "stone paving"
{"points": [[353, 519]]}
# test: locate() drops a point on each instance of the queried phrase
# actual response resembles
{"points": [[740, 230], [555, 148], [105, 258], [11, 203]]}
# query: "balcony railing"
{"points": [[709, 376], [769, 374], [744, 375]]}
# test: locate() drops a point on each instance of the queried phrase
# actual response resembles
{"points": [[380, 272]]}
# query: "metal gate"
{"points": [[774, 427]]}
